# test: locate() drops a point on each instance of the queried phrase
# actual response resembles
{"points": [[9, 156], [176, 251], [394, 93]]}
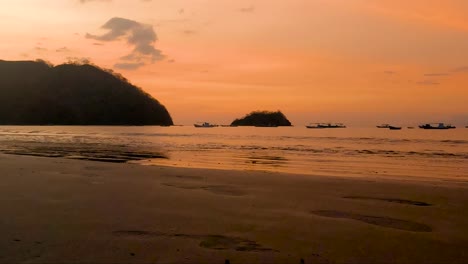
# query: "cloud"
{"points": [[128, 66], [249, 9], [435, 74], [63, 49], [86, 1], [40, 49], [428, 82], [189, 32], [390, 72], [141, 36], [460, 69]]}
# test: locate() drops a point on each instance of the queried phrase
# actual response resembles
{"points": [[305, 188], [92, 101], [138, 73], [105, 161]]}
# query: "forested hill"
{"points": [[36, 93], [262, 119]]}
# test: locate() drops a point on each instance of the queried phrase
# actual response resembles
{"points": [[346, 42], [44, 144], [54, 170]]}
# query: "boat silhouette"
{"points": [[436, 126], [326, 125], [205, 125]]}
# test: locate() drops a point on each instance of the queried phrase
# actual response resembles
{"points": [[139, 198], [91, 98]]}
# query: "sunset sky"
{"points": [[353, 61]]}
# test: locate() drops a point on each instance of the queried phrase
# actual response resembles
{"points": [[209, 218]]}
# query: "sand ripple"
{"points": [[217, 242], [376, 220], [390, 200]]}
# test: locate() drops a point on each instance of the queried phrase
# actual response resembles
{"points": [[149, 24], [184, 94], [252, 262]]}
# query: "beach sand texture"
{"points": [[58, 210]]}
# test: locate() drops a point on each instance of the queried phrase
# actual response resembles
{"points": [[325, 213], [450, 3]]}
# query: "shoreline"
{"points": [[64, 210], [160, 160], [356, 153]]}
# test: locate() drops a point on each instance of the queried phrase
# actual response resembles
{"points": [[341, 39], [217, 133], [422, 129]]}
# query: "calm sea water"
{"points": [[344, 152]]}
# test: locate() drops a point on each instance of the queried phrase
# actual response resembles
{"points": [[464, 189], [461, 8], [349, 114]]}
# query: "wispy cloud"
{"points": [[390, 72], [63, 49], [128, 65], [428, 82], [141, 36], [460, 69], [249, 9], [40, 49], [435, 74], [189, 32], [86, 1]]}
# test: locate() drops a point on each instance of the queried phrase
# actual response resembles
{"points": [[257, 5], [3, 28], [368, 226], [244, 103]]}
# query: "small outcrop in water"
{"points": [[37, 93], [262, 119]]}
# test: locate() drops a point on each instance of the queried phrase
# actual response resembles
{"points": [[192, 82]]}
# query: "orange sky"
{"points": [[353, 61]]}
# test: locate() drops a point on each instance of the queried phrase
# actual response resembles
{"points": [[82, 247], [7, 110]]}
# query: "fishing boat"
{"points": [[326, 125], [436, 126], [383, 126], [313, 125], [335, 125], [394, 128], [204, 124]]}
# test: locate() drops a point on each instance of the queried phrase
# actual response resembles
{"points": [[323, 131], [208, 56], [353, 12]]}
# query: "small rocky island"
{"points": [[262, 119], [37, 93]]}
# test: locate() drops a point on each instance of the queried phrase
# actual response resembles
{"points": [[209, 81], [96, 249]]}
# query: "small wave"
{"points": [[455, 142], [156, 135], [86, 151], [329, 151]]}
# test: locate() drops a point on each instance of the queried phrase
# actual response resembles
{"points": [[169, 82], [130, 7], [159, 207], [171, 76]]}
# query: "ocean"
{"points": [[348, 152]]}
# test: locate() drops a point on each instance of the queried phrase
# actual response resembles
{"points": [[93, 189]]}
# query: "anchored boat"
{"points": [[204, 124], [326, 125], [436, 126], [383, 126]]}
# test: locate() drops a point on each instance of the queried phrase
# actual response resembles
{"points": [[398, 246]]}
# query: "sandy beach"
{"points": [[58, 210]]}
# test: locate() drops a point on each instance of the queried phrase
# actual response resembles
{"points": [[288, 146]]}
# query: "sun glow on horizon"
{"points": [[355, 61]]}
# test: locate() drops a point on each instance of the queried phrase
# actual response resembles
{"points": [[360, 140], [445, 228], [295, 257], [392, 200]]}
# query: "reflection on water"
{"points": [[351, 151], [83, 151], [274, 161]]}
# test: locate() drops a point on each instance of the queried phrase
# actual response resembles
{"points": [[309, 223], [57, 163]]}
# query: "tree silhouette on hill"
{"points": [[263, 119], [38, 93]]}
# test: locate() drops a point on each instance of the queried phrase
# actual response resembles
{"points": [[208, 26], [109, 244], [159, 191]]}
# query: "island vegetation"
{"points": [[262, 119], [38, 93]]}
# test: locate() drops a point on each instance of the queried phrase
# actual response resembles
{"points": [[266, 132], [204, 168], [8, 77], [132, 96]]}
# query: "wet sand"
{"points": [[58, 210]]}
